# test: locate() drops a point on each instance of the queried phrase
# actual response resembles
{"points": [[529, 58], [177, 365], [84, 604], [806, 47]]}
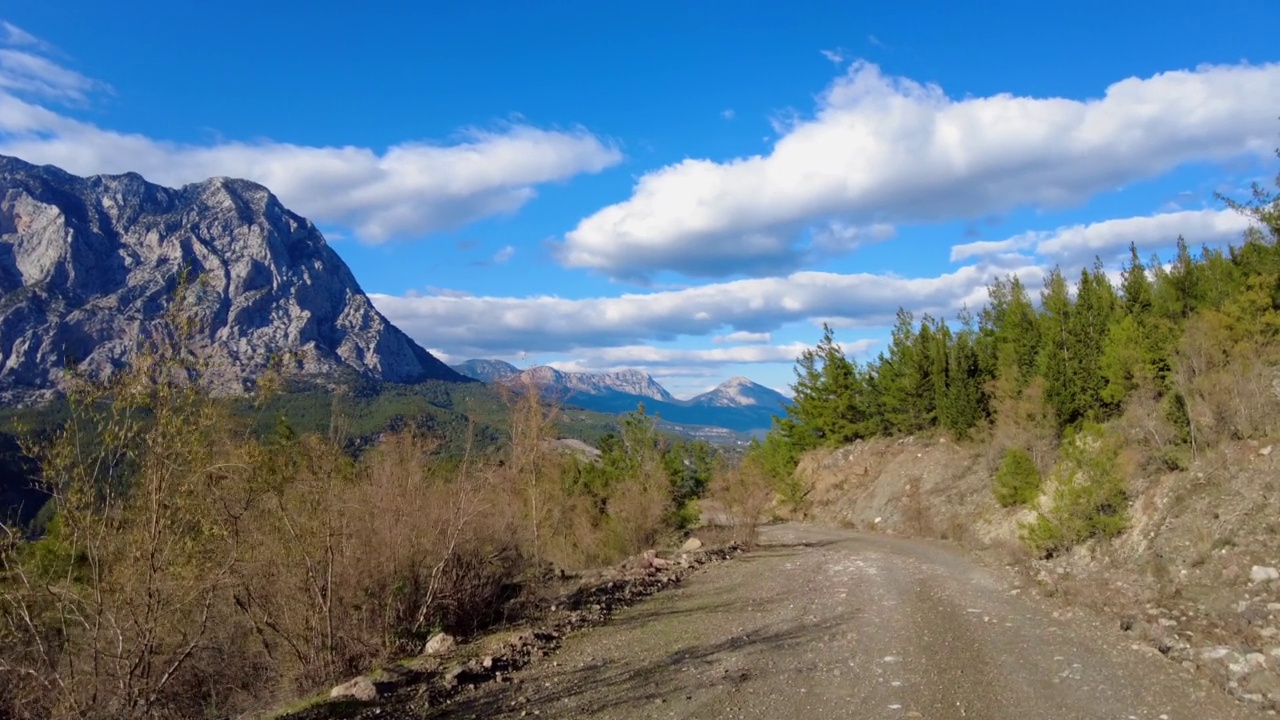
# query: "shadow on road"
{"points": [[689, 670]]}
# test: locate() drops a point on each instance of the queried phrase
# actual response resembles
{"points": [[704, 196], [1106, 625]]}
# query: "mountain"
{"points": [[486, 370], [738, 404], [741, 392], [632, 383], [88, 266]]}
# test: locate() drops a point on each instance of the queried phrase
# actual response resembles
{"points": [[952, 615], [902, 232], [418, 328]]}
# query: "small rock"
{"points": [[361, 688], [1262, 573], [1264, 682], [1216, 653], [440, 644], [1265, 451], [693, 544]]}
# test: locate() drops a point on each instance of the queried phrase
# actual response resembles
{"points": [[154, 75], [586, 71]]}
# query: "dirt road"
{"points": [[822, 623]]}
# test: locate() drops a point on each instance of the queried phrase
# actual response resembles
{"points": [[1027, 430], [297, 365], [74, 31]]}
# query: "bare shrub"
{"points": [[1023, 420], [745, 493], [1225, 376], [192, 570], [118, 610]]}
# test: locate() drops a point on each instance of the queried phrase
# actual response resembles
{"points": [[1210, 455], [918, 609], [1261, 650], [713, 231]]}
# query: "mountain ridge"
{"points": [[738, 403], [89, 265]]}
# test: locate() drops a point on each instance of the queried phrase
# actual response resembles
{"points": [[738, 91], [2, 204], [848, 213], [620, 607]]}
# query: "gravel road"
{"points": [[823, 623]]}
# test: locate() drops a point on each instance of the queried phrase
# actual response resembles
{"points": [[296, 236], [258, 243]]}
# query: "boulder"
{"points": [[693, 544], [361, 688], [439, 644]]}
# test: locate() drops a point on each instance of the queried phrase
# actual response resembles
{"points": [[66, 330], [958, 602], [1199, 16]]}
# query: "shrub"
{"points": [[1089, 499], [1017, 481], [193, 569], [744, 493]]}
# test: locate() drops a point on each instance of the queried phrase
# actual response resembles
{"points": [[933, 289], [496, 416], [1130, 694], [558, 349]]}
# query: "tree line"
{"points": [[1189, 337]]}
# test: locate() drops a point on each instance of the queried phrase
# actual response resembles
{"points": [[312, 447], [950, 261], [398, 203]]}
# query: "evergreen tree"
{"points": [[829, 407], [1136, 286], [964, 402], [1087, 328], [1055, 348], [1008, 341]]}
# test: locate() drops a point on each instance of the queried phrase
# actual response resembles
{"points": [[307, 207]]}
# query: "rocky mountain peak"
{"points": [[89, 265], [740, 392]]}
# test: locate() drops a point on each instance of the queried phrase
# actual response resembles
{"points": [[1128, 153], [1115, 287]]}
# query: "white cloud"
{"points": [[14, 35], [1078, 244], [23, 70], [482, 326], [504, 255], [727, 113], [410, 189], [742, 336], [838, 238], [648, 356], [835, 56], [889, 150]]}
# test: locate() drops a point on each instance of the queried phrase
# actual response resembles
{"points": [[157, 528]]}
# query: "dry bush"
{"points": [[119, 610], [1229, 385], [1024, 421], [745, 493], [192, 570], [638, 507], [348, 564]]}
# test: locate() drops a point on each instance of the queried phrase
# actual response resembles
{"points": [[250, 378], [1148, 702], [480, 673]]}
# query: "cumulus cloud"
{"points": [[648, 356], [1078, 244], [409, 189], [886, 150], [503, 325], [742, 336]]}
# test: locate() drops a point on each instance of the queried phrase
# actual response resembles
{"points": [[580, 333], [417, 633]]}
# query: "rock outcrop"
{"points": [[89, 267]]}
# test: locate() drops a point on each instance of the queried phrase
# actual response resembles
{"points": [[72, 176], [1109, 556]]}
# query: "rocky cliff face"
{"points": [[88, 266], [626, 382]]}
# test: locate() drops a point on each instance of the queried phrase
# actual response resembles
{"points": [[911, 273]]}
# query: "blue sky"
{"points": [[689, 188]]}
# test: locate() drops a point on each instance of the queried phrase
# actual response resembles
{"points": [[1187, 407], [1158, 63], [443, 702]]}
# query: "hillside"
{"points": [[486, 370], [1114, 443], [88, 266]]}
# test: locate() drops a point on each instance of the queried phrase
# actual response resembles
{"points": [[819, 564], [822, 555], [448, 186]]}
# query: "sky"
{"points": [[689, 188]]}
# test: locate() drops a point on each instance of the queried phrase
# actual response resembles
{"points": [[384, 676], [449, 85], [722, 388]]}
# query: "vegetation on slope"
{"points": [[195, 564], [1178, 358]]}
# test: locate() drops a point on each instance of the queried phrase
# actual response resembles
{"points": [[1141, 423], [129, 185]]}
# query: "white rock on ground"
{"points": [[440, 644], [1262, 573], [361, 688]]}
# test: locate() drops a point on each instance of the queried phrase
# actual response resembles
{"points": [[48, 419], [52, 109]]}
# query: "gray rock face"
{"points": [[628, 382], [88, 266]]}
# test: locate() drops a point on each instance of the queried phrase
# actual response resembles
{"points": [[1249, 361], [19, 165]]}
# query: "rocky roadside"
{"points": [[449, 668], [1238, 646]]}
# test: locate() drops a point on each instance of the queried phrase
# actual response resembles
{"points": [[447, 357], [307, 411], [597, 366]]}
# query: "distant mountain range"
{"points": [[737, 404]]}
